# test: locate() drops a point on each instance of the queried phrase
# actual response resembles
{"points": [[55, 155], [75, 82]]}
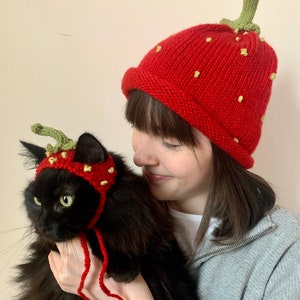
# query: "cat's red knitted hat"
{"points": [[217, 77], [61, 156]]}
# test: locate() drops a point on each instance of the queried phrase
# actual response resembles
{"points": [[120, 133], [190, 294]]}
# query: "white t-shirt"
{"points": [[186, 227]]}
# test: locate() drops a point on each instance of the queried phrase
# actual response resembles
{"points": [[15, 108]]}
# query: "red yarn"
{"points": [[104, 266], [216, 79], [87, 264]]}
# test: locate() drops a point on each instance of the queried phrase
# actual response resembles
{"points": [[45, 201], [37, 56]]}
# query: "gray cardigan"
{"points": [[265, 265]]}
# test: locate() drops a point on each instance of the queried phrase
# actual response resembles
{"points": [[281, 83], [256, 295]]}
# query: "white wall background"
{"points": [[61, 64]]}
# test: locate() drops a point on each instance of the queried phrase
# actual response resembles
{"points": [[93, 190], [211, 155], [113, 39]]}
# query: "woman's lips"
{"points": [[154, 178]]}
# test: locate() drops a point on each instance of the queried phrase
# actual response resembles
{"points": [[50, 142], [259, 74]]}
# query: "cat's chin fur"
{"points": [[136, 228]]}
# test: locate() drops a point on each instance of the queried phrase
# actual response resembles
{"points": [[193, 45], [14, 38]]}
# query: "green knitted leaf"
{"points": [[62, 141], [244, 22]]}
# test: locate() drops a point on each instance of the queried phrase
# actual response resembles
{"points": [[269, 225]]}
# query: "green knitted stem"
{"points": [[244, 22], [62, 141]]}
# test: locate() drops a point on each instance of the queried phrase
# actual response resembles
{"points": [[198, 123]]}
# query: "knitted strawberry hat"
{"points": [[217, 77], [100, 175], [61, 156]]}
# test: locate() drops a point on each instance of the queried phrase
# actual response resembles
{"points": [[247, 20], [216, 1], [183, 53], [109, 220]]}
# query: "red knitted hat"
{"points": [[216, 77]]}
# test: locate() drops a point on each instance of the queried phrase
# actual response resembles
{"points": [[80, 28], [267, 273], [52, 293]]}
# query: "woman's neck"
{"points": [[192, 206]]}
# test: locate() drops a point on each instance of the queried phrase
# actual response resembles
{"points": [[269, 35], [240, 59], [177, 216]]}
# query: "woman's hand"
{"points": [[68, 265]]}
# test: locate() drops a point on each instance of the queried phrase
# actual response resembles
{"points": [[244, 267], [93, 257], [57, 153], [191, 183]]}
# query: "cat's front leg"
{"points": [[122, 267]]}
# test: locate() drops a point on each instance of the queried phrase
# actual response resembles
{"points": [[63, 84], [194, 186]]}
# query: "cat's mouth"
{"points": [[48, 243], [51, 237]]}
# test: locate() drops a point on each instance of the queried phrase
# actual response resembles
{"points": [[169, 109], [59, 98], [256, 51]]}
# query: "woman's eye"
{"points": [[66, 200], [171, 143], [37, 201]]}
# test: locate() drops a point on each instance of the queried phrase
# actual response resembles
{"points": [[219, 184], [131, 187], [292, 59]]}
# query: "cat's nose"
{"points": [[40, 229]]}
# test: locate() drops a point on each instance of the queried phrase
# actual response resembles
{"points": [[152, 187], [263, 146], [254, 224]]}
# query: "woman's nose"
{"points": [[143, 145]]}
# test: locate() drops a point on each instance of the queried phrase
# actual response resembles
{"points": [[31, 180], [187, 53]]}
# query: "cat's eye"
{"points": [[66, 200], [37, 201]]}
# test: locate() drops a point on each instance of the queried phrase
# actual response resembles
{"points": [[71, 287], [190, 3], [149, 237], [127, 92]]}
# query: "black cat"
{"points": [[137, 229]]}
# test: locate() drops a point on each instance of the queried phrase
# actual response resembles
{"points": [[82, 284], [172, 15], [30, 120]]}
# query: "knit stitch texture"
{"points": [[217, 79]]}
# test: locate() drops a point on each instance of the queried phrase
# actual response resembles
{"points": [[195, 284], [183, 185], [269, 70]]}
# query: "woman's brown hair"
{"points": [[238, 197]]}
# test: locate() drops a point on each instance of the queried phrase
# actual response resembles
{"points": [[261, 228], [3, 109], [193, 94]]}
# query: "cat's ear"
{"points": [[89, 150], [34, 153]]}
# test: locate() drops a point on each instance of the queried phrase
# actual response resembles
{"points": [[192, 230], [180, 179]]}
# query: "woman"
{"points": [[196, 102]]}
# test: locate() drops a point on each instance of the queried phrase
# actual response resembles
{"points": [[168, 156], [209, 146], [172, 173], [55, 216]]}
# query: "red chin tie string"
{"points": [[87, 264]]}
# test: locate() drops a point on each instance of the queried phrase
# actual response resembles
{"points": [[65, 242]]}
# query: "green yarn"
{"points": [[244, 22], [62, 141]]}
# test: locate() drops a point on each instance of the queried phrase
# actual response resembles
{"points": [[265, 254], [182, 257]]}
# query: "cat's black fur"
{"points": [[136, 228]]}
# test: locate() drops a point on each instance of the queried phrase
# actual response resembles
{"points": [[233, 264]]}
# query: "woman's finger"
{"points": [[67, 265], [54, 263]]}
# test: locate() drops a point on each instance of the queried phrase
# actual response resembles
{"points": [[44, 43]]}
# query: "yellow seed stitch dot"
{"points": [[237, 38], [244, 52], [236, 140], [104, 182], [64, 154], [236, 31], [261, 39], [208, 39], [240, 99], [196, 74], [262, 118], [111, 170], [87, 168], [52, 160], [246, 32], [273, 76], [158, 48]]}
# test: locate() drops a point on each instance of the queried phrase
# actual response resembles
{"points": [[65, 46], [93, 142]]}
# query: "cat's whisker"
{"points": [[19, 242], [11, 247], [14, 253], [7, 231]]}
